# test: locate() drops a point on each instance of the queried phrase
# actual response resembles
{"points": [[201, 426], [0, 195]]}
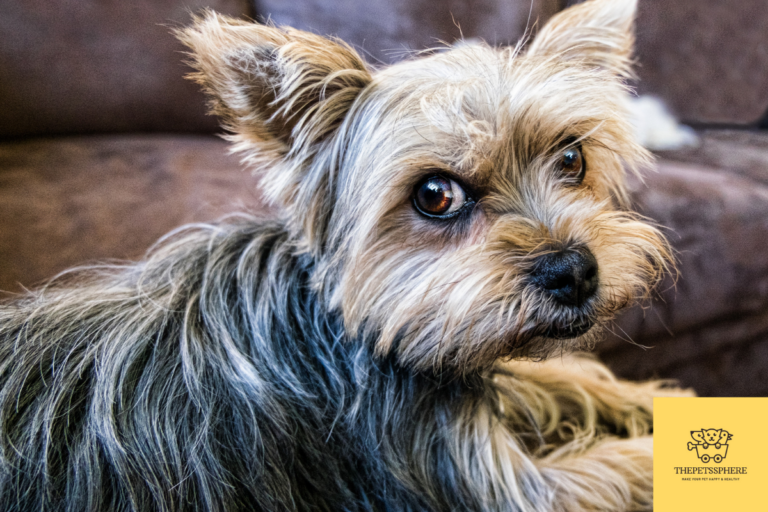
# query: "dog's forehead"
{"points": [[470, 82], [480, 100]]}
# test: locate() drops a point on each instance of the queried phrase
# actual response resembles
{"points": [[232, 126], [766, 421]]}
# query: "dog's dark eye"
{"points": [[439, 197], [572, 164]]}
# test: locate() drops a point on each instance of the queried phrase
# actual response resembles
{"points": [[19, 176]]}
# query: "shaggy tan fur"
{"points": [[495, 119]]}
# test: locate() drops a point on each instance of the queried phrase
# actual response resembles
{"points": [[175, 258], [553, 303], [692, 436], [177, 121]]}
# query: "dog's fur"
{"points": [[354, 354]]}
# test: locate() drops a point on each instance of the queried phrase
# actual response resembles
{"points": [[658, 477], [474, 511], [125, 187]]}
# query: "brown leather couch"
{"points": [[105, 148]]}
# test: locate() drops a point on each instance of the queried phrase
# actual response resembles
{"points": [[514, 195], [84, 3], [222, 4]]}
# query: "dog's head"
{"points": [[460, 207]]}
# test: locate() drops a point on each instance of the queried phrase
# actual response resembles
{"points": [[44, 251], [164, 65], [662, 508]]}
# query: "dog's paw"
{"points": [[584, 393], [613, 474]]}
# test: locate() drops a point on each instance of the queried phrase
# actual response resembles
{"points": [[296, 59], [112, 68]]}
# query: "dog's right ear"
{"points": [[277, 90], [598, 33]]}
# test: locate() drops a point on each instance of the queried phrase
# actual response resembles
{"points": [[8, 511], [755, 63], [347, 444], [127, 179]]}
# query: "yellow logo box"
{"points": [[710, 454]]}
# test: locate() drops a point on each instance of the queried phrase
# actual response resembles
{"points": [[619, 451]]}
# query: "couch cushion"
{"points": [[707, 58], [742, 152], [88, 66], [67, 201], [715, 317]]}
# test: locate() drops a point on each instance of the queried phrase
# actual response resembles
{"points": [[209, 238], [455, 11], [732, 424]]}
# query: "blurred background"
{"points": [[105, 147]]}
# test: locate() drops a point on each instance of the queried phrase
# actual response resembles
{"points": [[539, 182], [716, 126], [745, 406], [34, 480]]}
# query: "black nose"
{"points": [[569, 277]]}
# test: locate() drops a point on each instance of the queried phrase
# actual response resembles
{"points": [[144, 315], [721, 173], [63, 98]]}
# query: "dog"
{"points": [[397, 336]]}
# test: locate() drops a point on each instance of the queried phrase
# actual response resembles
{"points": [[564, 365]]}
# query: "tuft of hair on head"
{"points": [[281, 92], [598, 33]]}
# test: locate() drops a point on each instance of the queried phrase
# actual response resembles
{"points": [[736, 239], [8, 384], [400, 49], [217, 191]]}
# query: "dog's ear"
{"points": [[282, 93], [276, 89], [598, 33]]}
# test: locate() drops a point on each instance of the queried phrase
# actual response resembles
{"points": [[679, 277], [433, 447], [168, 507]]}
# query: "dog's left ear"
{"points": [[282, 92], [598, 33]]}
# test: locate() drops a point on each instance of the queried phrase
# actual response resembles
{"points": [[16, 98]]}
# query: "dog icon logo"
{"points": [[711, 444]]}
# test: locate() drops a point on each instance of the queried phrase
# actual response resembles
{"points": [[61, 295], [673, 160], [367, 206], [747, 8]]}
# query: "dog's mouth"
{"points": [[555, 331], [570, 330]]}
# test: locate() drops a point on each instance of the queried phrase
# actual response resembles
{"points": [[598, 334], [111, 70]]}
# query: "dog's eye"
{"points": [[572, 164], [439, 197]]}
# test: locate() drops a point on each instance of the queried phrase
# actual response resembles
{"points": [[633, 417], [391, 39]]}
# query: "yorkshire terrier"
{"points": [[396, 338]]}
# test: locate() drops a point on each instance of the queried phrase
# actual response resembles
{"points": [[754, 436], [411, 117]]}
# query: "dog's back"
{"points": [[208, 377], [172, 384]]}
